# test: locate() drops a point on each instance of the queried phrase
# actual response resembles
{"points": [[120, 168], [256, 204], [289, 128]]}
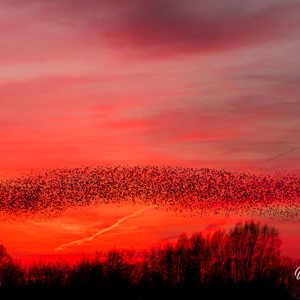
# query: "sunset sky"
{"points": [[192, 83], [68, 235]]}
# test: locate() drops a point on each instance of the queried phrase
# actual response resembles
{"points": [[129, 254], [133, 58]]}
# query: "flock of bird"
{"points": [[50, 192]]}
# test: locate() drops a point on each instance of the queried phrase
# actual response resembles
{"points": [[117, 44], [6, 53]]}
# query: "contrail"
{"points": [[283, 153], [78, 242]]}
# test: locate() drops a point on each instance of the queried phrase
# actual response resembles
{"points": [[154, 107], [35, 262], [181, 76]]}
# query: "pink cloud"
{"points": [[171, 27], [78, 86]]}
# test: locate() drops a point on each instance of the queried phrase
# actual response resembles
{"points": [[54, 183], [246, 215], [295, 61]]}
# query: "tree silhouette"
{"points": [[4, 256], [244, 263]]}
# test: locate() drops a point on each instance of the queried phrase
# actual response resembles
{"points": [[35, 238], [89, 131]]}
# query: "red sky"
{"points": [[193, 83], [142, 227]]}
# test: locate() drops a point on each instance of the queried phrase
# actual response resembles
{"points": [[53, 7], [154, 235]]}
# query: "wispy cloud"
{"points": [[149, 82]]}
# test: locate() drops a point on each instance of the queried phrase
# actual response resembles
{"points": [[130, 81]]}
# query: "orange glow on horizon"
{"points": [[141, 228]]}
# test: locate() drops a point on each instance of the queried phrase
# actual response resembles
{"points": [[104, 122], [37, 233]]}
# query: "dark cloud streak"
{"points": [[167, 27]]}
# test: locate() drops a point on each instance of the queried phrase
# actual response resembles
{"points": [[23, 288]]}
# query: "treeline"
{"points": [[243, 264]]}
